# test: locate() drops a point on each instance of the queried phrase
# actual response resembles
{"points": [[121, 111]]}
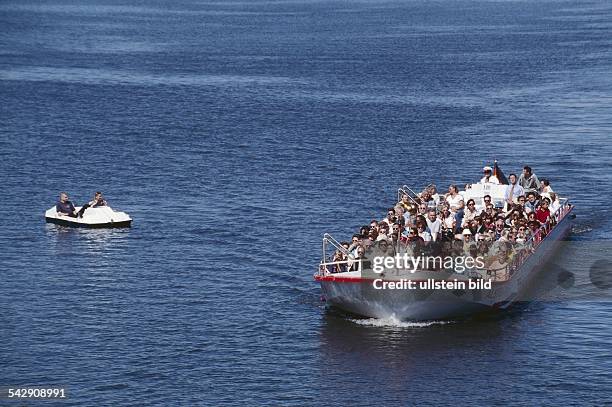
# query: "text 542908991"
{"points": [[33, 393]]}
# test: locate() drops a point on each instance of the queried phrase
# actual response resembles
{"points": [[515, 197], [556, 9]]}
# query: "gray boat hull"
{"points": [[359, 296]]}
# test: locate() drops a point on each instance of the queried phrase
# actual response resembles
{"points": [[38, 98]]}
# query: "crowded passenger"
{"points": [[545, 186], [456, 203], [469, 213], [532, 202], [542, 213], [434, 225]]}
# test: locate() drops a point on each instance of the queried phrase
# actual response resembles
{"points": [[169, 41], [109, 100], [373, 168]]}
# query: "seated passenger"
{"points": [[531, 217], [97, 201], [554, 203], [355, 242], [487, 223], [469, 242], [528, 180], [448, 219], [532, 202], [406, 203], [488, 177], [383, 232], [390, 219], [428, 200], [360, 256], [422, 232], [399, 215], [64, 207], [374, 224], [411, 234], [485, 201], [513, 190], [499, 228], [422, 209], [470, 213], [521, 235], [533, 226], [369, 241], [364, 231], [513, 218], [543, 213], [545, 186], [396, 230], [488, 211], [456, 204], [338, 258], [434, 225], [433, 191], [497, 266]]}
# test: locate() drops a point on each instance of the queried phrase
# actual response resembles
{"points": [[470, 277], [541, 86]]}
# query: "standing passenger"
{"points": [[528, 180], [488, 177]]}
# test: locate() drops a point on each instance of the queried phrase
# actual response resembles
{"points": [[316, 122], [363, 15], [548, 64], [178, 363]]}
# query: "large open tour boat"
{"points": [[351, 281]]}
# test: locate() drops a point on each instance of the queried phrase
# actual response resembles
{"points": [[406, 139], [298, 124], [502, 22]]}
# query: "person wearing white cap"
{"points": [[488, 177]]}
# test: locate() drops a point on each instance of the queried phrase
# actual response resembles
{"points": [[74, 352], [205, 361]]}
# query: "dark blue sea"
{"points": [[236, 133]]}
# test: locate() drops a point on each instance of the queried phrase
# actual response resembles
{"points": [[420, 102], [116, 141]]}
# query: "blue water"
{"points": [[235, 134]]}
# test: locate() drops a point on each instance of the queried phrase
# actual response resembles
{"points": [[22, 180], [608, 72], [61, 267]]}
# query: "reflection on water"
{"points": [[86, 240]]}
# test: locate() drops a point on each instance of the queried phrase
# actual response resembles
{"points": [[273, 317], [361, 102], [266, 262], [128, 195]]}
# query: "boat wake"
{"points": [[396, 323], [580, 229]]}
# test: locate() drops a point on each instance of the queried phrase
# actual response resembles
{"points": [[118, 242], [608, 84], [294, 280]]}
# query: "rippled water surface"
{"points": [[236, 133]]}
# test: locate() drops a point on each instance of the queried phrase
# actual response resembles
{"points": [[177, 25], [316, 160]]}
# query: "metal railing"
{"points": [[406, 190], [537, 237], [324, 267]]}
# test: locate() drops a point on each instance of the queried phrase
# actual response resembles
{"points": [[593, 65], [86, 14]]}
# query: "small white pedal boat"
{"points": [[99, 217]]}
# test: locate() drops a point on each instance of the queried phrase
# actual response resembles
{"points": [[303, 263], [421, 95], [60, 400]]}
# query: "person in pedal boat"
{"points": [[97, 201], [64, 206]]}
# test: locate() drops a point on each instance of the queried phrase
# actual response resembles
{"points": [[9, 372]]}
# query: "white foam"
{"points": [[392, 321]]}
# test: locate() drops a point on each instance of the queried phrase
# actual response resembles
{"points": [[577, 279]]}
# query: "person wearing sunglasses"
{"points": [[469, 214]]}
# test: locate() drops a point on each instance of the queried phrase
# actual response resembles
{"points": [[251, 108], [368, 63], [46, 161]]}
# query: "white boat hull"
{"points": [[358, 296], [100, 217]]}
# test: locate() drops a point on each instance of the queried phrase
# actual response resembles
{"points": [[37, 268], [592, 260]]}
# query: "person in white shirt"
{"points": [[514, 190], [456, 204], [454, 199], [447, 218], [488, 177], [545, 185], [554, 203], [434, 225], [469, 214]]}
